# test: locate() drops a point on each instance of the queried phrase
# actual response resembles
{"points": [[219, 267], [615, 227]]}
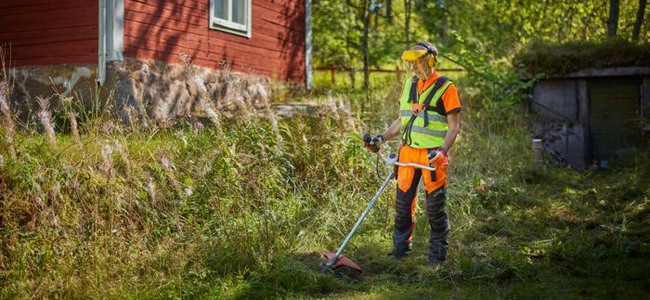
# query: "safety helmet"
{"points": [[420, 50]]}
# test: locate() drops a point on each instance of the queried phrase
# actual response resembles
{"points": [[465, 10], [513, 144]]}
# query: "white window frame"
{"points": [[229, 26]]}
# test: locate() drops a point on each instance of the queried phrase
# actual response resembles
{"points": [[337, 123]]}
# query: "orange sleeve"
{"points": [[450, 100]]}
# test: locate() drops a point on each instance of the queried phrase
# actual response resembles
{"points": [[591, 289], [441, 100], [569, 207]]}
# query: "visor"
{"points": [[411, 55]]}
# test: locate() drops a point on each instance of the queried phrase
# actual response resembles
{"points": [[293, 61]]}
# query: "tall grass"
{"points": [[132, 214], [241, 209]]}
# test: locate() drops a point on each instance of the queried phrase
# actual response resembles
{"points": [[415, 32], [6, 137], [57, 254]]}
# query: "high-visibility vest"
{"points": [[429, 128]]}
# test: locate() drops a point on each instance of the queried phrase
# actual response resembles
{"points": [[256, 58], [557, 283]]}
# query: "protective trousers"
{"points": [[408, 179]]}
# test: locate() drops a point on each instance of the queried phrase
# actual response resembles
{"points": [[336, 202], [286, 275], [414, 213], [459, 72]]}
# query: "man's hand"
{"points": [[438, 158], [373, 144]]}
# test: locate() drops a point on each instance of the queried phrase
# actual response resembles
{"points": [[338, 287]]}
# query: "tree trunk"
{"points": [[407, 19], [389, 11], [365, 15], [639, 20], [612, 22]]}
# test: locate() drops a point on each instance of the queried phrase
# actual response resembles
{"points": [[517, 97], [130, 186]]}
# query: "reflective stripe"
{"points": [[432, 115], [427, 131]]}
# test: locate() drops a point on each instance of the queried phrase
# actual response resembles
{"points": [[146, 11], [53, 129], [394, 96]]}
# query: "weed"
{"points": [[45, 117]]}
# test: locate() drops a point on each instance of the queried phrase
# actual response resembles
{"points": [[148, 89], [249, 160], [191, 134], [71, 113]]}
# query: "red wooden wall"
{"points": [[163, 29], [44, 32]]}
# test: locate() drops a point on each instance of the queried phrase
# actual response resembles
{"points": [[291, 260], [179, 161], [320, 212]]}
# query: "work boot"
{"points": [[408, 251], [436, 264]]}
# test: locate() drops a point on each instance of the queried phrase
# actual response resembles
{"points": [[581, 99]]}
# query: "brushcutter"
{"points": [[336, 260]]}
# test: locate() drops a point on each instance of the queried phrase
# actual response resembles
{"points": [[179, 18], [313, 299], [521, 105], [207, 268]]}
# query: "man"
{"points": [[428, 124]]}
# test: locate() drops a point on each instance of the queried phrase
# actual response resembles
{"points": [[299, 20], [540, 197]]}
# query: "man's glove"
{"points": [[438, 157], [373, 144]]}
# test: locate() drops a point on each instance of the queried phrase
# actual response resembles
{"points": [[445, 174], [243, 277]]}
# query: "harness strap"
{"points": [[413, 93], [436, 86]]}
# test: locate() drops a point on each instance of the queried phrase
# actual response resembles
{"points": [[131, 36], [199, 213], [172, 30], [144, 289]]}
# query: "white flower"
{"points": [[106, 151], [151, 188]]}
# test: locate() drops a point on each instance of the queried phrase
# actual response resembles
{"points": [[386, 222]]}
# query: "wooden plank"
{"points": [[280, 42], [77, 59], [201, 8], [206, 48], [80, 47], [239, 62], [81, 16], [164, 34], [210, 50], [35, 4], [150, 12], [222, 50], [169, 5], [47, 6], [202, 21], [136, 28], [260, 35], [153, 15], [50, 35], [281, 7], [195, 8]]}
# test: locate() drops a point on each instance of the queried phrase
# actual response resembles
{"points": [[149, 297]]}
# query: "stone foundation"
{"points": [[155, 89]]}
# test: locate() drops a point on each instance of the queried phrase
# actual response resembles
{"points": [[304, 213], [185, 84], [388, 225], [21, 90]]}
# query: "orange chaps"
{"points": [[408, 179]]}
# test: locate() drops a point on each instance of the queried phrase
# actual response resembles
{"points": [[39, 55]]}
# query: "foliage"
{"points": [[506, 26], [338, 29], [496, 29]]}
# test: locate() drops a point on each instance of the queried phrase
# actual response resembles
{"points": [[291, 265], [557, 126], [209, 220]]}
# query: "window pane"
{"points": [[239, 11], [220, 9]]}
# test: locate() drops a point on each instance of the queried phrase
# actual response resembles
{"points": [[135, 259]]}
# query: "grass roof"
{"points": [[558, 59]]}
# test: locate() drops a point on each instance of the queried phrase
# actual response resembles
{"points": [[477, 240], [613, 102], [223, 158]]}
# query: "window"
{"points": [[233, 16]]}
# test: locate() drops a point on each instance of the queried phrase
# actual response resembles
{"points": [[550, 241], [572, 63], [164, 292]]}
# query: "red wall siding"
{"points": [[44, 32], [163, 29]]}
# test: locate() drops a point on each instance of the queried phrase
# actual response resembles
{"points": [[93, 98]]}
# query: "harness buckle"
{"points": [[417, 108]]}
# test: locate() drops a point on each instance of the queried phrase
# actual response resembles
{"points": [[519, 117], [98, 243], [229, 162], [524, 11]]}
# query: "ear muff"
{"points": [[432, 61]]}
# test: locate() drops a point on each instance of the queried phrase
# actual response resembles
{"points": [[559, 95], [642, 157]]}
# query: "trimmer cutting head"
{"points": [[340, 261]]}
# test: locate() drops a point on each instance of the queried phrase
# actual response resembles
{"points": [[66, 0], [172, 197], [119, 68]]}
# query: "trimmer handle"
{"points": [[372, 144], [366, 138], [392, 160]]}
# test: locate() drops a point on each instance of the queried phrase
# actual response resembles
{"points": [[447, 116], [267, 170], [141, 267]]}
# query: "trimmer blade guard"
{"points": [[342, 261]]}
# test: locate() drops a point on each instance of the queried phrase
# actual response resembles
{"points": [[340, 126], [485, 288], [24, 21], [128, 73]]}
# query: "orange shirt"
{"points": [[449, 98]]}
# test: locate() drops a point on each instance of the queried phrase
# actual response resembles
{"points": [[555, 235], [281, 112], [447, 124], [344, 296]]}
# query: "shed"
{"points": [[593, 116], [140, 50]]}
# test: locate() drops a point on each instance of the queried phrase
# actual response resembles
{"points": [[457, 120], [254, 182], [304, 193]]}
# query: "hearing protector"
{"points": [[431, 52]]}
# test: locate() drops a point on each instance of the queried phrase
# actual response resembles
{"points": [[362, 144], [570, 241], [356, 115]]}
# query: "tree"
{"points": [[612, 22], [365, 17], [407, 23], [639, 20]]}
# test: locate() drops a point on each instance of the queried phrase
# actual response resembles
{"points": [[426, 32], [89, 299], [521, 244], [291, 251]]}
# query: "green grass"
{"points": [[243, 211]]}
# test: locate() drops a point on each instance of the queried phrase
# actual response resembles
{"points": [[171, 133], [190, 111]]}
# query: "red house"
{"points": [[167, 54]]}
